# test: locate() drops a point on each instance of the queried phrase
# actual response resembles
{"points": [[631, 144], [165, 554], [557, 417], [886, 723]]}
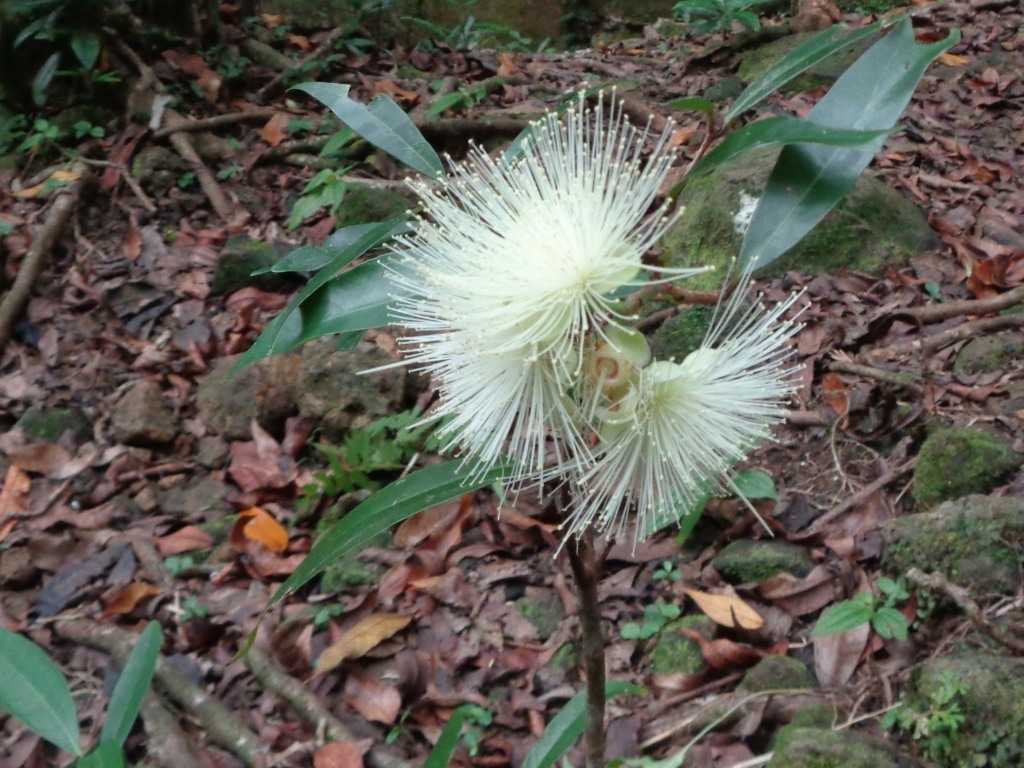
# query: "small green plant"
{"points": [[866, 608], [229, 173], [325, 190], [84, 129], [43, 132], [707, 16], [656, 616], [667, 572], [477, 718], [464, 98], [471, 34], [936, 728], [36, 693], [191, 608], [186, 180]]}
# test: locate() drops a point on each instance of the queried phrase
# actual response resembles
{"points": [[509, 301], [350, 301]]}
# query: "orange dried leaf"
{"points": [[14, 496], [727, 610], [129, 598], [363, 637], [952, 60], [276, 129], [259, 525], [64, 177], [338, 754], [187, 539]]}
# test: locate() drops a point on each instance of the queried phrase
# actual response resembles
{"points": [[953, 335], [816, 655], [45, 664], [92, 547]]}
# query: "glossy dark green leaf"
{"points": [[796, 62], [103, 755], [43, 77], [755, 485], [890, 624], [809, 180], [86, 46], [567, 726], [34, 691], [126, 700], [383, 123], [288, 329], [441, 755], [777, 131]]}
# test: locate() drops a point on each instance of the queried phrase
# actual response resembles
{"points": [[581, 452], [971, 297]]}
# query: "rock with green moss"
{"points": [[675, 653], [987, 691], [48, 425], [366, 205], [350, 570], [802, 747], [985, 354], [240, 257], [874, 226], [974, 541], [543, 609], [566, 657], [777, 673], [957, 461], [264, 392], [680, 335], [749, 561], [873, 7]]}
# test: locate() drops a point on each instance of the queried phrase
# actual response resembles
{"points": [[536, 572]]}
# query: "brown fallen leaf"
{"points": [[373, 699], [187, 539], [363, 637], [276, 129], [724, 654], [339, 754], [14, 495], [129, 597], [727, 610]]}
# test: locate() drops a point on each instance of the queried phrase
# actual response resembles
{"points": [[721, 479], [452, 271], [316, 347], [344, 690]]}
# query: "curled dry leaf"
{"points": [[339, 754], [14, 496], [724, 654], [187, 539], [129, 597], [256, 524], [373, 699], [727, 610], [799, 597], [363, 637]]}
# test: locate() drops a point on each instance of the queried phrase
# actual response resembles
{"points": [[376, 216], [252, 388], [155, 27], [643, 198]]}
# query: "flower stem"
{"points": [[586, 570]]}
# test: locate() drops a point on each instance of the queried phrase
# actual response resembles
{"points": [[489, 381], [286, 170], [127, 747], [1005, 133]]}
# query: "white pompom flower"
{"points": [[511, 269], [683, 425]]}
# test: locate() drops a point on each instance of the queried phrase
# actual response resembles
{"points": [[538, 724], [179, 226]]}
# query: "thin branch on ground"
{"points": [[933, 313], [34, 261], [856, 498], [217, 121], [183, 146], [937, 582], [320, 52], [166, 744], [126, 176], [223, 726], [969, 330], [911, 382]]}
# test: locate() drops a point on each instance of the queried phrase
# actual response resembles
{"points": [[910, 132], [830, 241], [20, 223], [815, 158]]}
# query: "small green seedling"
{"points": [[884, 617], [667, 572], [656, 616]]}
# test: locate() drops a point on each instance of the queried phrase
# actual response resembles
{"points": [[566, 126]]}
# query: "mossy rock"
{"points": [[680, 335], [986, 354], [240, 257], [49, 424], [366, 205], [264, 391], [758, 60], [958, 461], [874, 7], [675, 653], [975, 541], [988, 689], [349, 571], [566, 657], [802, 747], [543, 609], [776, 673], [749, 561], [874, 226]]}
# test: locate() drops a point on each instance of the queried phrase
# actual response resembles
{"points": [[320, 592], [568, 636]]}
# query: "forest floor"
{"points": [[99, 532]]}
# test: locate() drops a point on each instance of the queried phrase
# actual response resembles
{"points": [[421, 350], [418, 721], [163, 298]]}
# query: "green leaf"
{"points": [[441, 755], [104, 755], [755, 485], [387, 507], [695, 103], [36, 693], [796, 62], [808, 180], [285, 331], [126, 700], [567, 726], [43, 77], [774, 131], [842, 617], [384, 124], [86, 46], [890, 624]]}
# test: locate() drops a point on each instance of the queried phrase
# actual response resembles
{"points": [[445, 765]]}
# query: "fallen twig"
{"points": [[207, 181], [852, 501], [35, 259], [166, 743], [315, 55], [126, 176], [906, 380], [937, 582], [935, 312], [969, 330], [217, 121]]}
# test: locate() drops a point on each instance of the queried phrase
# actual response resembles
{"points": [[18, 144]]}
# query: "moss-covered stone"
{"points": [[989, 353], [776, 673], [749, 561], [566, 657], [874, 7], [240, 257], [874, 226], [802, 747], [674, 653], [543, 609], [49, 424], [814, 716], [958, 461], [365, 205], [264, 391], [349, 570], [990, 697], [680, 335], [975, 541]]}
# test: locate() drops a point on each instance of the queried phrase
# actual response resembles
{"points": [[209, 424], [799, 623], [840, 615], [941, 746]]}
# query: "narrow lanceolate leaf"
{"points": [[34, 691], [288, 330], [796, 62], [387, 507], [776, 131], [809, 180], [441, 754], [126, 700], [383, 123], [567, 726]]}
